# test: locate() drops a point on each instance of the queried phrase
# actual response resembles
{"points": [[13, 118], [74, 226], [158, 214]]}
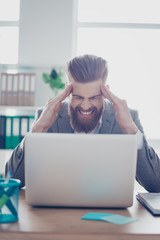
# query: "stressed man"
{"points": [[88, 106]]}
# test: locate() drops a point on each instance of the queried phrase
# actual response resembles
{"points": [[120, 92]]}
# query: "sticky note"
{"points": [[117, 219], [95, 216]]}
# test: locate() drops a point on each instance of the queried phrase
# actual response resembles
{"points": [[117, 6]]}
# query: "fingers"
{"points": [[58, 107], [62, 96], [109, 95]]}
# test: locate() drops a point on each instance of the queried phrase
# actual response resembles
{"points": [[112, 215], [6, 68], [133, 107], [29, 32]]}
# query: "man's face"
{"points": [[86, 105]]}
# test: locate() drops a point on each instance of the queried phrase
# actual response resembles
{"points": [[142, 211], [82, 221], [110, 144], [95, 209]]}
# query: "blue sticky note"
{"points": [[95, 216], [117, 219]]}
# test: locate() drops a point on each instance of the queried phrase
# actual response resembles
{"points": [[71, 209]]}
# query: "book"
{"points": [[151, 201]]}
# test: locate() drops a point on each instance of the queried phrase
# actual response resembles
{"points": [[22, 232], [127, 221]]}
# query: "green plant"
{"points": [[54, 80]]}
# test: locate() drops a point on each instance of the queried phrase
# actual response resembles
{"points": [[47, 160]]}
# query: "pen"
{"points": [[9, 174], [5, 195]]}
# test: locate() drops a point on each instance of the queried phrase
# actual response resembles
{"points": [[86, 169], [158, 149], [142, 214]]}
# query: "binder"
{"points": [[32, 89], [23, 126], [26, 89], [16, 132], [9, 89], [21, 90], [2, 132], [8, 132], [3, 89], [31, 122], [15, 90], [15, 128]]}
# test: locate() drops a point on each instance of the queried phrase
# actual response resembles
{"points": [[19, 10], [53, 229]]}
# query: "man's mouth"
{"points": [[85, 114]]}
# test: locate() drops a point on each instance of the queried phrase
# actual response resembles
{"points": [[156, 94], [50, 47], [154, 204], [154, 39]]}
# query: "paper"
{"points": [[95, 216], [108, 217], [117, 219]]}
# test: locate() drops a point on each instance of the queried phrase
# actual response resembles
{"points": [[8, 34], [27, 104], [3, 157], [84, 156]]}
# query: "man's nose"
{"points": [[85, 104]]}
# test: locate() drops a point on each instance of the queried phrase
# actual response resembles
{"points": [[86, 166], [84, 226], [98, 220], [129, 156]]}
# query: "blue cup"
{"points": [[9, 194]]}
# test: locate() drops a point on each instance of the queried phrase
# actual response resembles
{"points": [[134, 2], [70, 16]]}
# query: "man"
{"points": [[92, 108]]}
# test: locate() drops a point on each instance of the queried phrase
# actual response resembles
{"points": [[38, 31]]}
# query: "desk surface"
{"points": [[66, 223]]}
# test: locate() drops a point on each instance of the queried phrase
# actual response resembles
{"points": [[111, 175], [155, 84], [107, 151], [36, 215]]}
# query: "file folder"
{"points": [[9, 90], [23, 127], [8, 133], [15, 128], [32, 89], [3, 89], [21, 90], [17, 89], [16, 132], [26, 89], [2, 132]]}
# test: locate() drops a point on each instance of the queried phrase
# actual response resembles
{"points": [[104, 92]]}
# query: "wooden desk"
{"points": [[66, 223]]}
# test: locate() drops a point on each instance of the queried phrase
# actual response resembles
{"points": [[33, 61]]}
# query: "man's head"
{"points": [[86, 74]]}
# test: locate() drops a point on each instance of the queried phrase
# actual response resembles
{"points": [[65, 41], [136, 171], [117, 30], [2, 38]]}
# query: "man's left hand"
{"points": [[122, 114]]}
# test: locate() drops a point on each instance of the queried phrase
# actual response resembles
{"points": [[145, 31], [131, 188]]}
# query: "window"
{"points": [[9, 31], [127, 34]]}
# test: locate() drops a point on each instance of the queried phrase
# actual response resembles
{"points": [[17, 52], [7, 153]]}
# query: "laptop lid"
{"points": [[80, 170]]}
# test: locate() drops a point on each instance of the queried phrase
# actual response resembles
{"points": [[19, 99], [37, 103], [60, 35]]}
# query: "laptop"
{"points": [[80, 170]]}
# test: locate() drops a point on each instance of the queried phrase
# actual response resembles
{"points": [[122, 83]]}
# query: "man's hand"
{"points": [[50, 112], [122, 114]]}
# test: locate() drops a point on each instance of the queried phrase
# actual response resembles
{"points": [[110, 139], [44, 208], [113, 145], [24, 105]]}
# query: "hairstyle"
{"points": [[87, 68]]}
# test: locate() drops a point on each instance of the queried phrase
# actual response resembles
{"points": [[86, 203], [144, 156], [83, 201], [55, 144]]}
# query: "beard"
{"points": [[82, 124]]}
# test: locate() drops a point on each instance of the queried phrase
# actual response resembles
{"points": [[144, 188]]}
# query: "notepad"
{"points": [[151, 201], [108, 217], [118, 219], [95, 216]]}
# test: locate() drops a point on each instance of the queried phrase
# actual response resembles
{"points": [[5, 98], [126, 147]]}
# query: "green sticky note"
{"points": [[117, 219], [95, 216]]}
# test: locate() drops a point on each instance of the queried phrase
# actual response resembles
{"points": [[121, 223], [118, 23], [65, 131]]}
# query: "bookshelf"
{"points": [[17, 110], [15, 121]]}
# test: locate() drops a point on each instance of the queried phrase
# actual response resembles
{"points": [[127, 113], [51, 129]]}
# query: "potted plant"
{"points": [[54, 79]]}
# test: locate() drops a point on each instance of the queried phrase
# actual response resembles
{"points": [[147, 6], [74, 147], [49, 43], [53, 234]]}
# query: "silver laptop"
{"points": [[80, 170]]}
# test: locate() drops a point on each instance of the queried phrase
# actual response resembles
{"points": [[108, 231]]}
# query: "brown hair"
{"points": [[87, 68]]}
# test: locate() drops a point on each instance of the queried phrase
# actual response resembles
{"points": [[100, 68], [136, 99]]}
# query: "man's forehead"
{"points": [[89, 86], [87, 89]]}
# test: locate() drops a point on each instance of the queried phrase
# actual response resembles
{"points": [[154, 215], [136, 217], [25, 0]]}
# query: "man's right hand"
{"points": [[50, 112]]}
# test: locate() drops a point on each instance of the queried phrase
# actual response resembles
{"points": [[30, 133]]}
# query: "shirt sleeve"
{"points": [[139, 136]]}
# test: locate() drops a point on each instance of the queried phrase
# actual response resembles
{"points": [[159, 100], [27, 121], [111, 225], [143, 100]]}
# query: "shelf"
{"points": [[17, 110]]}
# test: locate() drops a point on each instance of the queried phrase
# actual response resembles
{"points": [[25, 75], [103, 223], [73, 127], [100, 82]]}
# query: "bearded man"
{"points": [[91, 108]]}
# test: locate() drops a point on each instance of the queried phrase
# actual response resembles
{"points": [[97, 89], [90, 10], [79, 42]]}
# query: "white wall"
{"points": [[45, 40]]}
